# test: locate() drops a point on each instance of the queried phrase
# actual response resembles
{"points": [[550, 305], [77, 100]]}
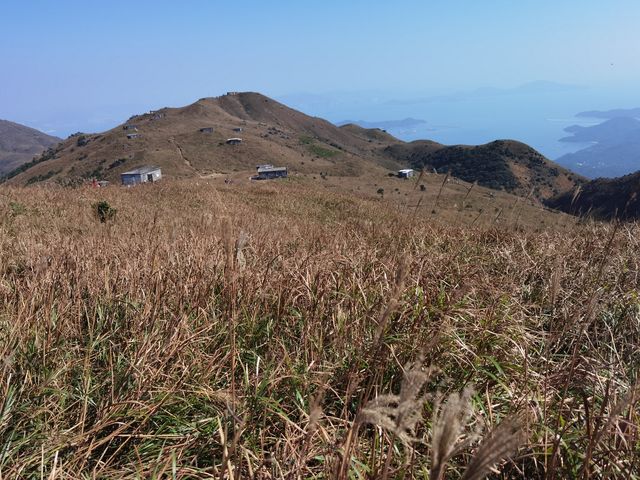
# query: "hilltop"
{"points": [[271, 132], [604, 198], [19, 144], [503, 165], [369, 134], [172, 139]]}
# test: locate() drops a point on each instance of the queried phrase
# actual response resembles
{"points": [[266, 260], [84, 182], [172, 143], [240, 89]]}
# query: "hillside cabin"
{"points": [[206, 130], [237, 129], [132, 136], [272, 172], [133, 128], [264, 166], [234, 141], [144, 174], [406, 173]]}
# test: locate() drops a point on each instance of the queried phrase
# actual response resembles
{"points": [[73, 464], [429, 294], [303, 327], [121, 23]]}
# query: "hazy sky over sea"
{"points": [[76, 65]]}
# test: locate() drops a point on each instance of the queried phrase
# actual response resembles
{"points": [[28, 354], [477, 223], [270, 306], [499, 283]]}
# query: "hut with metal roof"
{"points": [[144, 174]]}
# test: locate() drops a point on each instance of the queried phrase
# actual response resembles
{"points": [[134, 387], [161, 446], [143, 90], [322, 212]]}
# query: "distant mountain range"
{"points": [[19, 144], [615, 149]]}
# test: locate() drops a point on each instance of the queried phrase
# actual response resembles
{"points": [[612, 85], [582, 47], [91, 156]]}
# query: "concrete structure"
{"points": [[234, 141], [271, 172], [130, 127], [206, 130], [141, 175], [132, 136], [237, 129], [406, 173]]}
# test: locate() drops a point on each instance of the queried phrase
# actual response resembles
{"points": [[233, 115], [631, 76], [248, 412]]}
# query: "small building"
{"points": [[206, 130], [264, 166], [234, 141], [141, 175], [406, 173], [237, 129], [103, 183], [272, 172], [133, 128], [132, 136]]}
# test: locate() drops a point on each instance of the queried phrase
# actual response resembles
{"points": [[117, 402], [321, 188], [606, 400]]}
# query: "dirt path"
{"points": [[181, 153], [188, 163]]}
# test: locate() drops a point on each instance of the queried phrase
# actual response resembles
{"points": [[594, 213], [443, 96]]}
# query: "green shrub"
{"points": [[321, 151], [117, 163], [43, 177], [17, 208], [103, 211]]}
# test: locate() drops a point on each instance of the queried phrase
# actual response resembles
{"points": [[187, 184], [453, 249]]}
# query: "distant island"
{"points": [[614, 149], [613, 131], [609, 114], [385, 124]]}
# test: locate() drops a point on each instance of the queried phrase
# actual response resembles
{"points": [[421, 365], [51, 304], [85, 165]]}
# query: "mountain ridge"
{"points": [[603, 198], [502, 164], [19, 144], [271, 132]]}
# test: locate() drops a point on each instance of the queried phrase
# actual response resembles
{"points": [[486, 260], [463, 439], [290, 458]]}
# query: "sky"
{"points": [[86, 65]]}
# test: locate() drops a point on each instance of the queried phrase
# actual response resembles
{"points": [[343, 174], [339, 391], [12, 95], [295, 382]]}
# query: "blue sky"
{"points": [[91, 62]]}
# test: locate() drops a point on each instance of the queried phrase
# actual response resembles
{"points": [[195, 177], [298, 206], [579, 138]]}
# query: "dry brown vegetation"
{"points": [[274, 133], [281, 331]]}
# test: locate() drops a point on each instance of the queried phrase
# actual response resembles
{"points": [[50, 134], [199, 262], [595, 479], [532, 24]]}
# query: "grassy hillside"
{"points": [[283, 330], [604, 198], [171, 138], [503, 165], [19, 144], [274, 133], [370, 134]]}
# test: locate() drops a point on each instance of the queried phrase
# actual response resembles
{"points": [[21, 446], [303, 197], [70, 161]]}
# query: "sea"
{"points": [[536, 118]]}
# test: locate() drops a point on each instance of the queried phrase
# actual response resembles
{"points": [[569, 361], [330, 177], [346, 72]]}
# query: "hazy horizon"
{"points": [[72, 66]]}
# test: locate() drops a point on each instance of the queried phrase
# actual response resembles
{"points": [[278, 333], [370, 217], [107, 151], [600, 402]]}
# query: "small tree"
{"points": [[381, 192]]}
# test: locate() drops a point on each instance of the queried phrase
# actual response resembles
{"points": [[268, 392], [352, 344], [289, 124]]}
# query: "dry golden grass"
{"points": [[261, 332]]}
